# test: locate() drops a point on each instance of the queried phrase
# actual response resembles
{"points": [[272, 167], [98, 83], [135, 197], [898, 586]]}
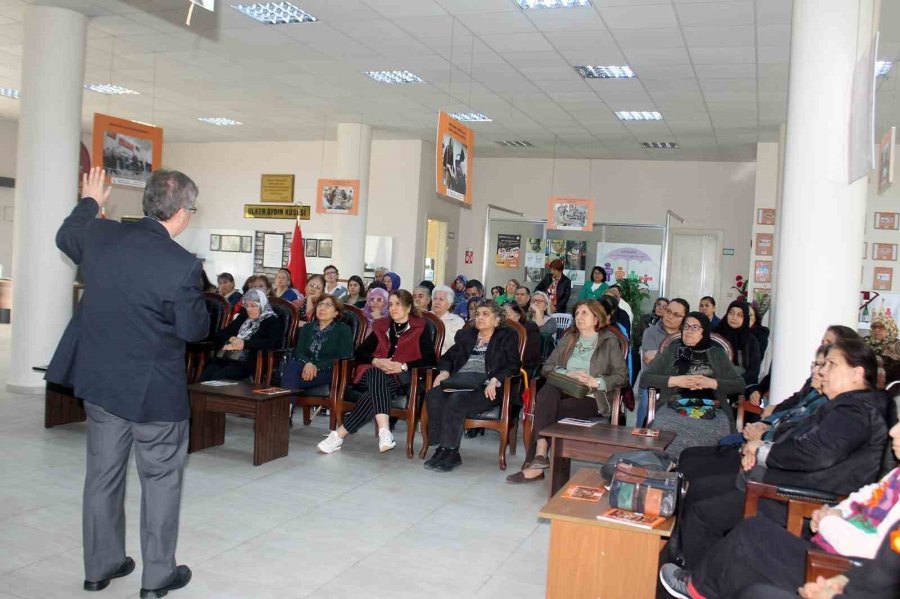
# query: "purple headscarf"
{"points": [[367, 309]]}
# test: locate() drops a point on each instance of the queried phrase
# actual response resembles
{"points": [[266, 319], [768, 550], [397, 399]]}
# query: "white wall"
{"points": [[714, 196], [7, 194]]}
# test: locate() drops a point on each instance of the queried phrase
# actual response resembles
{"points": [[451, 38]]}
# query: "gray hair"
{"points": [[167, 192], [451, 296], [423, 288]]}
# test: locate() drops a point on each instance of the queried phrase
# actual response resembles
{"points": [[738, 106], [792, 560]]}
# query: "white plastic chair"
{"points": [[563, 321]]}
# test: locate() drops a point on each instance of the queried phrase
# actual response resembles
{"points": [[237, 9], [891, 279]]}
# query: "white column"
{"points": [[822, 219], [46, 186], [349, 232]]}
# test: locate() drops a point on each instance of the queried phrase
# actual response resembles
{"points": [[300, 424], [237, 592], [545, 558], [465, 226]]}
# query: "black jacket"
{"points": [[500, 361], [124, 347], [532, 356], [839, 448], [563, 290], [877, 578], [269, 335]]}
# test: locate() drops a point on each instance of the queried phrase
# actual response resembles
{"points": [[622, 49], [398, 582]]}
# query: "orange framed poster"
{"points": [[128, 150], [337, 196], [570, 214], [453, 168], [884, 251], [765, 216], [887, 220], [762, 271], [883, 279], [764, 244]]}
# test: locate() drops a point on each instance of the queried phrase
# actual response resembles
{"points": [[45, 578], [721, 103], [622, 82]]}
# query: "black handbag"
{"points": [[464, 381]]}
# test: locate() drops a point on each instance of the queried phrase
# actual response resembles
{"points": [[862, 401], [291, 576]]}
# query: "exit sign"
{"points": [[728, 251]]}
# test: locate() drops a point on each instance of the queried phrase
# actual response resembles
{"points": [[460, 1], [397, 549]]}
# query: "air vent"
{"points": [[660, 145], [514, 143]]}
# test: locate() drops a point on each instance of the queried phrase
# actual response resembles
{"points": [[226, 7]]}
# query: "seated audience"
{"points": [[496, 292], [694, 378], [422, 298], [325, 340], [306, 304], [332, 285], [759, 550], [648, 320], [523, 297], [226, 288], [597, 285], [624, 314], [283, 287], [471, 306], [482, 357], [531, 358], [610, 303], [759, 332], [474, 289], [459, 291], [589, 353], [391, 281], [735, 328], [708, 307], [670, 323], [883, 337], [837, 449], [355, 295], [256, 328], [441, 301], [396, 345], [427, 285], [376, 307], [509, 293], [377, 276], [557, 286], [205, 284], [254, 282], [539, 312]]}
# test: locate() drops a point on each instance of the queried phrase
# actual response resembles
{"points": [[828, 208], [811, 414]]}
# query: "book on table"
{"points": [[583, 493], [578, 422], [270, 390], [637, 519], [218, 383]]}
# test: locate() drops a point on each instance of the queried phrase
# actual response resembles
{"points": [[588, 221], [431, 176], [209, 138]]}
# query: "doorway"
{"points": [[694, 265], [436, 251]]}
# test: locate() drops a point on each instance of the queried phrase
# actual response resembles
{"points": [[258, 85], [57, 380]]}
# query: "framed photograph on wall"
{"points": [[324, 248], [312, 247], [247, 244], [764, 244], [215, 242], [883, 279], [231, 243], [338, 196], [570, 214], [884, 251], [762, 271], [765, 216], [886, 160], [887, 220]]}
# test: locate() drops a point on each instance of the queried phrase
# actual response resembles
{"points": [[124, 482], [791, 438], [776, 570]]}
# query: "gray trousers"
{"points": [[160, 451]]}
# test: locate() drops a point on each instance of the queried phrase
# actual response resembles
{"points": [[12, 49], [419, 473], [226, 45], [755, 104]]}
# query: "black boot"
{"points": [[436, 457], [474, 432], [450, 461]]}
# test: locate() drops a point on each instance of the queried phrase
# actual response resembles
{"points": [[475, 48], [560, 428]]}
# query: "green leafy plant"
{"points": [[634, 291]]}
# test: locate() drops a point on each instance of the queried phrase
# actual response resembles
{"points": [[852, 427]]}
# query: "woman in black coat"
{"points": [[558, 286], [481, 358], [735, 328]]}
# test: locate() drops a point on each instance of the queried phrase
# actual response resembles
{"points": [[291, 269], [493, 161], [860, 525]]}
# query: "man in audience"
{"points": [[332, 285], [422, 298], [474, 289], [523, 298], [708, 307], [441, 300], [123, 352]]}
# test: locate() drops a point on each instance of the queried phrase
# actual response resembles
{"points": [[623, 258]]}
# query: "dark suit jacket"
{"points": [[124, 347], [563, 290]]}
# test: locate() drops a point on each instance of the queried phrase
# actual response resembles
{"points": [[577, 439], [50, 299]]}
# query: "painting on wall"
{"points": [[570, 214], [762, 271], [765, 216]]}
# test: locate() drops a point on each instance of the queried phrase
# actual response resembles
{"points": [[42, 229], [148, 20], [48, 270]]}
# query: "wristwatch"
{"points": [[404, 368]]}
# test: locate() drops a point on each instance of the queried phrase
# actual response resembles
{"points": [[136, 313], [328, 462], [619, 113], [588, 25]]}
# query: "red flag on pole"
{"points": [[297, 262]]}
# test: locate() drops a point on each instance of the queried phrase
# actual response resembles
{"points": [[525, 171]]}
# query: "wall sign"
{"points": [[887, 220], [764, 244], [453, 169], [338, 196], [762, 271], [570, 214], [883, 279], [291, 211], [728, 251], [277, 188], [765, 216], [884, 251]]}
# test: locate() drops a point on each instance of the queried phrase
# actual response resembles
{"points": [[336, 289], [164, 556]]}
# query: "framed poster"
{"points": [[231, 243], [884, 251], [324, 248], [508, 249], [621, 259], [337, 196], [276, 188], [247, 244], [215, 242], [764, 244], [765, 216], [128, 150], [570, 214], [883, 279], [453, 163], [312, 247], [273, 250], [762, 271], [886, 160], [887, 220], [535, 252]]}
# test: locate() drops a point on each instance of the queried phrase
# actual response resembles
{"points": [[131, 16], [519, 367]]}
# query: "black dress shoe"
{"points": [[474, 432], [449, 461], [181, 578], [125, 569], [439, 454]]}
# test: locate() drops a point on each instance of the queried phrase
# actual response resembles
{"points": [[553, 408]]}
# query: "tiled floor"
{"points": [[353, 524]]}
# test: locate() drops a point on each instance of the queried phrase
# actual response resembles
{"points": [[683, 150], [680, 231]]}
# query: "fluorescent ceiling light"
{"points": [[660, 145], [610, 72], [275, 13], [9, 93], [393, 76], [110, 90], [527, 4], [219, 120], [514, 143], [883, 67], [638, 115], [471, 117]]}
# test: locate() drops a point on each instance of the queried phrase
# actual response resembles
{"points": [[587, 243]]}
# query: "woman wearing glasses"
{"points": [[694, 377], [539, 313], [315, 289], [672, 318]]}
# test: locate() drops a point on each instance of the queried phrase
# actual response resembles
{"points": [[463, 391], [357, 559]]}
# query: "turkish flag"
{"points": [[297, 262]]}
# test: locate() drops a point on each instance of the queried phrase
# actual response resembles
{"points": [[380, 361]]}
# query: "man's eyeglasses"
{"points": [[675, 314], [694, 328]]}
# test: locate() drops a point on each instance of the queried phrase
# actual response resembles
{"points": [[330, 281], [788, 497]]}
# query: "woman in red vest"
{"points": [[396, 346]]}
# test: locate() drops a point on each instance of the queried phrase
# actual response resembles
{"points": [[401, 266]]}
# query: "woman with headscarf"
{"points": [[694, 377], [376, 306], [391, 281], [256, 328], [883, 337], [735, 328], [759, 332], [459, 292]]}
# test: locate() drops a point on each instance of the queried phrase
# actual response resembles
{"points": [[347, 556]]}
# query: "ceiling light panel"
{"points": [[275, 13], [515, 143], [218, 120], [660, 145], [8, 92], [393, 76], [608, 72], [638, 115], [473, 117], [529, 4], [110, 90], [883, 67]]}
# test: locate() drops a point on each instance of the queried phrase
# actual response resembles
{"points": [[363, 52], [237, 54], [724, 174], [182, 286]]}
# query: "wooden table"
{"points": [[270, 414], [596, 558], [592, 444], [60, 404]]}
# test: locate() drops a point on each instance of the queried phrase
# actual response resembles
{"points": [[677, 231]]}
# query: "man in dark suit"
{"points": [[123, 352]]}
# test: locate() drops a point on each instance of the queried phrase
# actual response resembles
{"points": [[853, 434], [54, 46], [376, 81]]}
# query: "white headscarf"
{"points": [[250, 326]]}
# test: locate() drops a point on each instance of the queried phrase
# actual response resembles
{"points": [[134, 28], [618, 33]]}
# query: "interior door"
{"points": [[436, 251], [694, 265]]}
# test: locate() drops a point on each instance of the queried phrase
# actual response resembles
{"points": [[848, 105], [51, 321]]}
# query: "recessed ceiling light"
{"points": [[514, 143], [110, 90], [527, 4], [218, 120], [275, 13], [638, 115], [471, 117], [394, 76], [883, 67], [660, 145], [9, 93], [610, 72]]}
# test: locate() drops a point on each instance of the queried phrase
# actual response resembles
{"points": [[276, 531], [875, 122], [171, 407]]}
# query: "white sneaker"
{"points": [[385, 440], [331, 443]]}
